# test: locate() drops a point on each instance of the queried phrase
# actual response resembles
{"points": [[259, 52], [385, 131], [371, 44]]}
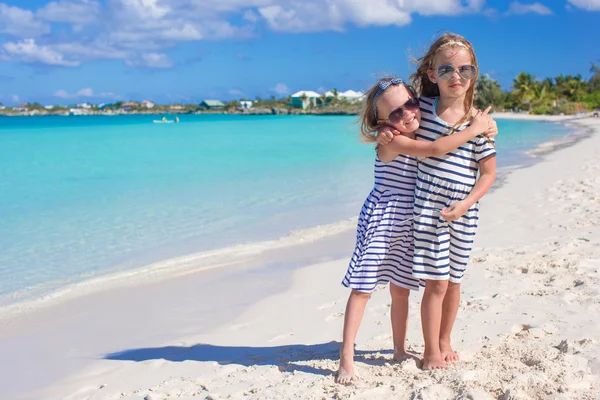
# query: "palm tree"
{"points": [[304, 97], [523, 85], [488, 92], [595, 79], [323, 99]]}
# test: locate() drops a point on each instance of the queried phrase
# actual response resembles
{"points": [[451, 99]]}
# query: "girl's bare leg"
{"points": [[449, 312], [355, 309], [399, 317], [431, 320]]}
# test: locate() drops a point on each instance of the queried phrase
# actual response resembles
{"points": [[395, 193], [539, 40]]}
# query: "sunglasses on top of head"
{"points": [[445, 72], [395, 116]]}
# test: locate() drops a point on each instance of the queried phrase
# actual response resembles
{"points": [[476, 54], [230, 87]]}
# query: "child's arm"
{"points": [[487, 175], [401, 144]]}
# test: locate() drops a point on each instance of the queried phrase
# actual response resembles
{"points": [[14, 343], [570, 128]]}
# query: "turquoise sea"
{"points": [[83, 197]]}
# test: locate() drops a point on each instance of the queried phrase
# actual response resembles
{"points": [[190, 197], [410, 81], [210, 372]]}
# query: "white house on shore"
{"points": [[351, 96], [246, 103], [304, 99], [148, 104]]}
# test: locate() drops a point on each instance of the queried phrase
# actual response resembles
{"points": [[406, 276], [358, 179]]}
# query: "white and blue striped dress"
{"points": [[442, 248], [384, 238]]}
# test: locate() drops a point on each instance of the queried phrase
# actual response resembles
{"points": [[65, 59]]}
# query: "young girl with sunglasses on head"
{"points": [[448, 188], [384, 245]]}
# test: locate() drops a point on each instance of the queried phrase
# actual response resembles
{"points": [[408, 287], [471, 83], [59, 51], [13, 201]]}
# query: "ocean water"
{"points": [[83, 197]]}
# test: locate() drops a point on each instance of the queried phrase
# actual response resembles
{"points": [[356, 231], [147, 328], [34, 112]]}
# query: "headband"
{"points": [[383, 85], [453, 43]]}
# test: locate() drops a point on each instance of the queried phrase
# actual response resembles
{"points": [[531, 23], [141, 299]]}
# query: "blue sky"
{"points": [[68, 51]]}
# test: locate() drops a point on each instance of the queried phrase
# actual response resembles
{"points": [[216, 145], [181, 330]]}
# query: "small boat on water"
{"points": [[164, 120]]}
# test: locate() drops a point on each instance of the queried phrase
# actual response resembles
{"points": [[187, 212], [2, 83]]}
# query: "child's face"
{"points": [[393, 101], [457, 65]]}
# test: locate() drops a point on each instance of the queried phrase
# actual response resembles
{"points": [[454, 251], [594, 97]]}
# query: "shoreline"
{"points": [[304, 254], [292, 111], [197, 262], [506, 349]]}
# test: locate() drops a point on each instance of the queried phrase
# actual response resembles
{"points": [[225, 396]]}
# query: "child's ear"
{"points": [[431, 76]]}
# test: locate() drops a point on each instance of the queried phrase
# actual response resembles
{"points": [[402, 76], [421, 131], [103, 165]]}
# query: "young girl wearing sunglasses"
{"points": [[448, 188], [384, 245]]}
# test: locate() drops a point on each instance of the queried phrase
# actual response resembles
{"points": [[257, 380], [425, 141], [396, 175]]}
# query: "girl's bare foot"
{"points": [[402, 355], [448, 354], [345, 373], [434, 362]]}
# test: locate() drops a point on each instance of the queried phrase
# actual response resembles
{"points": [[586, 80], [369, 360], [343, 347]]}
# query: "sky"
{"points": [[185, 51]]}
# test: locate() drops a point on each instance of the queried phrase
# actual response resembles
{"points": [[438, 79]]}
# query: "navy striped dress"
{"points": [[442, 248], [384, 238]]}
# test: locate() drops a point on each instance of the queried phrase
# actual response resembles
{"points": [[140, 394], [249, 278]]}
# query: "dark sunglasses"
{"points": [[445, 72], [395, 116]]}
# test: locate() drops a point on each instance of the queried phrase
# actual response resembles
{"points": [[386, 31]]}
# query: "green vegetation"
{"points": [[560, 95]]}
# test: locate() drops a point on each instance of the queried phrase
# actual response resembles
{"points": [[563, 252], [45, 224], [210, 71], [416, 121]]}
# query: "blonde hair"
{"points": [[420, 79], [367, 118]]}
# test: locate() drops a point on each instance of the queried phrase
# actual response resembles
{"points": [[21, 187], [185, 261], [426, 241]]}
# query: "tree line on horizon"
{"points": [[563, 94]]}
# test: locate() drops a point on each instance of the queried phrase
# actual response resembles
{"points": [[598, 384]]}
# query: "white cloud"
{"points": [[93, 50], [18, 22], [251, 16], [28, 51], [150, 60], [145, 9], [62, 94], [535, 8], [281, 89], [323, 15], [124, 29], [75, 12], [85, 92], [589, 5]]}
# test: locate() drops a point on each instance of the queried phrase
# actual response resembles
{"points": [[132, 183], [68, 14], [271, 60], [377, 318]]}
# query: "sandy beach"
{"points": [[263, 328]]}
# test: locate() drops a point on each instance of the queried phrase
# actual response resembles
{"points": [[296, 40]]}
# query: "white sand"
{"points": [[526, 116], [528, 326]]}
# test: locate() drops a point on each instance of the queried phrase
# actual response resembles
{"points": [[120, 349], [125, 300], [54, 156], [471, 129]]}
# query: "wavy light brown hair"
{"points": [[367, 119], [424, 86]]}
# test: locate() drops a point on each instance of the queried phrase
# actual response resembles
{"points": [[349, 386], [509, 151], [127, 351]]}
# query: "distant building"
{"points": [[176, 107], [48, 107], [85, 106], [246, 104], [148, 104], [351, 96], [304, 99], [21, 108], [2, 107], [212, 105], [129, 106], [330, 95]]}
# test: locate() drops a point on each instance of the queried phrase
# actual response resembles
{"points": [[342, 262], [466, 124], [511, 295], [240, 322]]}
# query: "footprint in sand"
{"points": [[326, 306], [281, 337], [238, 327], [335, 316]]}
